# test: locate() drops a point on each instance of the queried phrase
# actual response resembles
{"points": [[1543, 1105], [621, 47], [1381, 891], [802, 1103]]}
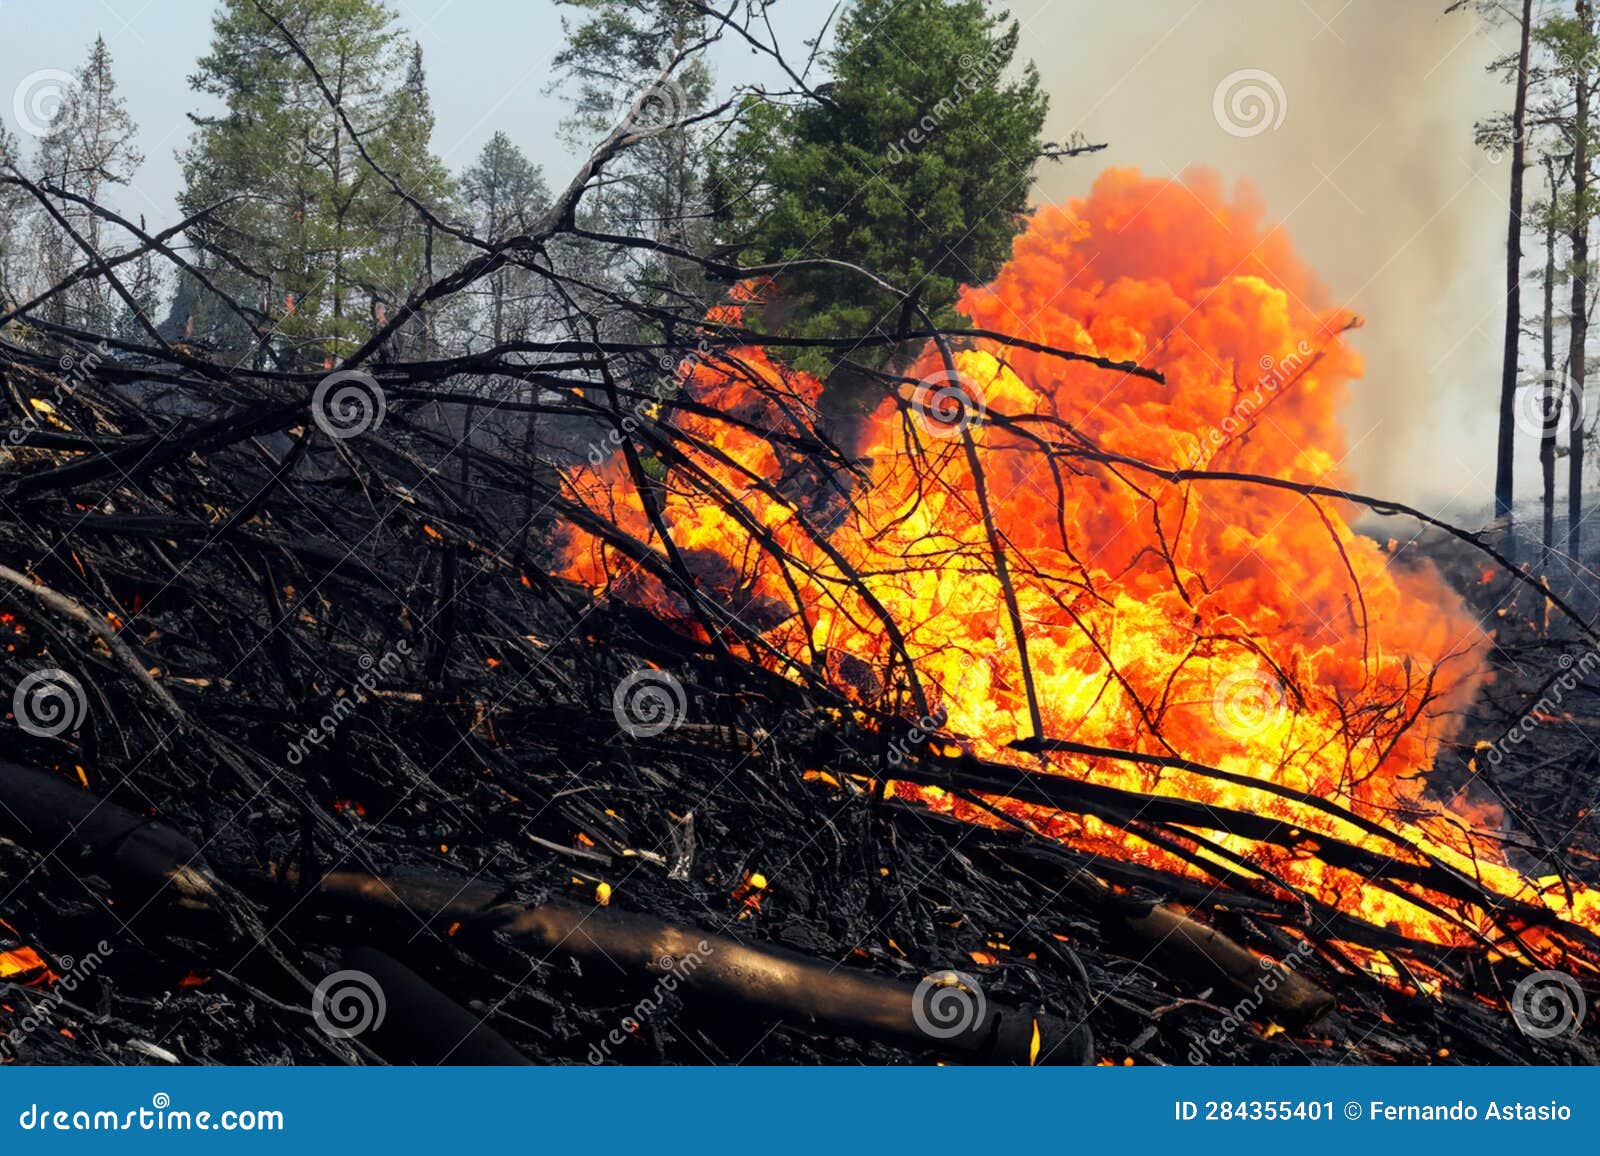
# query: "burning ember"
{"points": [[1179, 616]]}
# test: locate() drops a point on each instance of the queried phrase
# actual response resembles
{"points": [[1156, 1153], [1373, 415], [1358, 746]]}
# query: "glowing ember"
{"points": [[23, 961], [1240, 626]]}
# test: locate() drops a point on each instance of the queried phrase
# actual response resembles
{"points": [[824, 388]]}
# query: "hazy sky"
{"points": [[1372, 165]]}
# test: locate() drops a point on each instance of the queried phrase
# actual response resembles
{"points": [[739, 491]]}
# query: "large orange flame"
{"points": [[1240, 626]]}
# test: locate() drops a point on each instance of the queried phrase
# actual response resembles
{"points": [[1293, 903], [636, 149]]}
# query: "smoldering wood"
{"points": [[760, 978]]}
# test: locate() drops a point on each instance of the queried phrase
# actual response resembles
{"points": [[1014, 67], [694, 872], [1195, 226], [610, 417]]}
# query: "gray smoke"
{"points": [[1373, 170]]}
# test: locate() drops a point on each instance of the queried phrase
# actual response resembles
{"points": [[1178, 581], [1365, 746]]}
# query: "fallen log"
{"points": [[431, 1028], [1198, 950], [144, 858], [945, 1013]]}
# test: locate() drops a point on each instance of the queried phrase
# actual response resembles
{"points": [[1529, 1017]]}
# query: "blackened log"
{"points": [[425, 1026], [788, 986], [143, 857], [1203, 952]]}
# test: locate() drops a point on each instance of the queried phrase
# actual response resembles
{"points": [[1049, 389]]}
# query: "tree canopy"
{"points": [[932, 209]]}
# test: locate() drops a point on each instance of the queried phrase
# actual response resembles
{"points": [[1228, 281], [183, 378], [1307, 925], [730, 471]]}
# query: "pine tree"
{"points": [[1573, 41], [143, 283], [13, 209], [614, 54], [1509, 134], [88, 147], [505, 193], [406, 263], [916, 170], [313, 238]]}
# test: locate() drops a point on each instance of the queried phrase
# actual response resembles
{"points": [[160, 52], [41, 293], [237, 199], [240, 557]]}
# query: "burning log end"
{"points": [[1207, 955]]}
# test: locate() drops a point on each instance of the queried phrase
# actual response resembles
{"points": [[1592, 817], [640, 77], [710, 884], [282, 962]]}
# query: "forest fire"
{"points": [[1011, 560], [861, 606]]}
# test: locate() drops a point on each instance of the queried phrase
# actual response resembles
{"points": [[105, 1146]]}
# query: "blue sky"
{"points": [[488, 63]]}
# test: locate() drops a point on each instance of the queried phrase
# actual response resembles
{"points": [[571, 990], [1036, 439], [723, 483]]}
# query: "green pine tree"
{"points": [[89, 148], [316, 239], [916, 164]]}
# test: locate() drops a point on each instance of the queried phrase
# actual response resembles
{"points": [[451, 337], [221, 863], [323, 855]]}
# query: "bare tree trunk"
{"points": [[1553, 397], [1505, 447], [1580, 295]]}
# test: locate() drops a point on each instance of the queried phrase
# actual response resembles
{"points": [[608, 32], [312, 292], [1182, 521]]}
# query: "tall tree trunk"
{"points": [[1503, 471], [427, 310], [1580, 294], [1553, 397]]}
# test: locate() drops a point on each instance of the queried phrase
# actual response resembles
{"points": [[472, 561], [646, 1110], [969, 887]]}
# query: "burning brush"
{"points": [[1139, 580]]}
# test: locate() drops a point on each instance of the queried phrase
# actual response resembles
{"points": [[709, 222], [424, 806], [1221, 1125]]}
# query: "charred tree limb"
{"points": [[764, 978]]}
